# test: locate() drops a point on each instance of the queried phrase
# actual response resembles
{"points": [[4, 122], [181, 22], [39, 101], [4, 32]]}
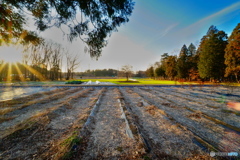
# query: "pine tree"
{"points": [[232, 53], [192, 62], [191, 50], [171, 63], [182, 66], [211, 54], [160, 71]]}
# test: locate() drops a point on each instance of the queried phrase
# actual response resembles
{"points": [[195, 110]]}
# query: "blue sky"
{"points": [[156, 27], [163, 26]]}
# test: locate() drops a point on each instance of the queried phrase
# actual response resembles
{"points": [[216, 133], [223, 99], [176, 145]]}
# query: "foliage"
{"points": [[74, 82], [100, 73], [160, 71], [232, 53], [182, 65], [191, 50], [171, 62], [150, 72], [11, 27], [211, 54], [91, 20]]}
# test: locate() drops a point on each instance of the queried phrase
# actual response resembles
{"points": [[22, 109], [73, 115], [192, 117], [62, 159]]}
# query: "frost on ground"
{"points": [[127, 123], [10, 93]]}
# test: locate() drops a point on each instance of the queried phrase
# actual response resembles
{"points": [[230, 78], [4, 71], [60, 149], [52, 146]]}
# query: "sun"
{"points": [[10, 54]]}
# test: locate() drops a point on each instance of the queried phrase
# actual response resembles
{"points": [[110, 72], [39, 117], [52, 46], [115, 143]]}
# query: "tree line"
{"points": [[125, 71], [217, 58]]}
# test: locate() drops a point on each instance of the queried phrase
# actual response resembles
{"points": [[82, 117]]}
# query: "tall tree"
{"points": [[91, 20], [232, 54], [182, 65], [150, 72], [161, 69], [192, 62], [211, 54], [171, 63], [72, 64], [191, 50]]}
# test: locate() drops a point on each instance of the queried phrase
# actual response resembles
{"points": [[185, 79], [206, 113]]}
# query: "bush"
{"points": [[74, 82]]}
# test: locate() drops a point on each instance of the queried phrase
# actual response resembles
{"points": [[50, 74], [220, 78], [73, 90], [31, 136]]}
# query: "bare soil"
{"points": [[120, 123]]}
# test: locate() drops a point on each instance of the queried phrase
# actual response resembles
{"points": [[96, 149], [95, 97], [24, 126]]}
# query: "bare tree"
{"points": [[127, 70], [55, 62], [72, 64]]}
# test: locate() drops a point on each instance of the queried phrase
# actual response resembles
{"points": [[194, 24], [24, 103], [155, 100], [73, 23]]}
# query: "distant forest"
{"points": [[109, 73], [217, 59]]}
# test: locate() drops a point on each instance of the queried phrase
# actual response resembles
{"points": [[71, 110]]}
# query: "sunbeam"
{"points": [[9, 73], [36, 73], [19, 73]]}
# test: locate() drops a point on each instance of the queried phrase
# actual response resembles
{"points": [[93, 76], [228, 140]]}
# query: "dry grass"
{"points": [[197, 115]]}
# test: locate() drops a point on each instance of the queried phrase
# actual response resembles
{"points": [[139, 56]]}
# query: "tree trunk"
{"points": [[237, 78]]}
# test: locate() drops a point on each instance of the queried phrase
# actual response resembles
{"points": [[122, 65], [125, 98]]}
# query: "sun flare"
{"points": [[10, 54]]}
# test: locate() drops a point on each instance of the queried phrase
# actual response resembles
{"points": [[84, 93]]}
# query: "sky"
{"points": [[155, 27]]}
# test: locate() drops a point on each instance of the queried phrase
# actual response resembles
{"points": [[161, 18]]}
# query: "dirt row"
{"points": [[212, 132], [38, 132], [114, 123]]}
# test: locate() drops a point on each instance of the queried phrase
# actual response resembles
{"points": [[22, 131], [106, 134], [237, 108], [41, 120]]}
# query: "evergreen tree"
{"points": [[191, 50], [182, 65], [192, 62], [171, 71], [161, 70], [232, 54], [150, 72], [211, 54]]}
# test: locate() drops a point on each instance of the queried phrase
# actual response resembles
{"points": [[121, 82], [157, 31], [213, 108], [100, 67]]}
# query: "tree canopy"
{"points": [[211, 54], [232, 53], [182, 65], [91, 20], [11, 27]]}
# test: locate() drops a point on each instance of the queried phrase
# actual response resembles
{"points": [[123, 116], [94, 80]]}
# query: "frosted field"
{"points": [[165, 122]]}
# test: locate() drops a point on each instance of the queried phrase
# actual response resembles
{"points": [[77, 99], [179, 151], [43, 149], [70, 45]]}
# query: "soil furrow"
{"points": [[108, 138], [22, 100], [227, 118], [200, 126], [19, 103], [46, 132], [161, 134], [22, 116]]}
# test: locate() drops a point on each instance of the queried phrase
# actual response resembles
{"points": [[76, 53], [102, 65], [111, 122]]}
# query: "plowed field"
{"points": [[120, 123]]}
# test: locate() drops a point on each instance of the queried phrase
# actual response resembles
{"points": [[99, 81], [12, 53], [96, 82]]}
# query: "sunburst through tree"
{"points": [[12, 68]]}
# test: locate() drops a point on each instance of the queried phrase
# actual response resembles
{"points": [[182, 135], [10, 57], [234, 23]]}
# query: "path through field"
{"points": [[120, 123]]}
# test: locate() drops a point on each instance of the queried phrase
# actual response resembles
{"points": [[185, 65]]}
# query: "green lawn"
{"points": [[137, 82]]}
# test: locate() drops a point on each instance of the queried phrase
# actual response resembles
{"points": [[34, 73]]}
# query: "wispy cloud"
{"points": [[166, 31], [212, 17], [162, 34]]}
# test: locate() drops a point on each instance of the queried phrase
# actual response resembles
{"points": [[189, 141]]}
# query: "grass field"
{"points": [[137, 81], [120, 81], [147, 81]]}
